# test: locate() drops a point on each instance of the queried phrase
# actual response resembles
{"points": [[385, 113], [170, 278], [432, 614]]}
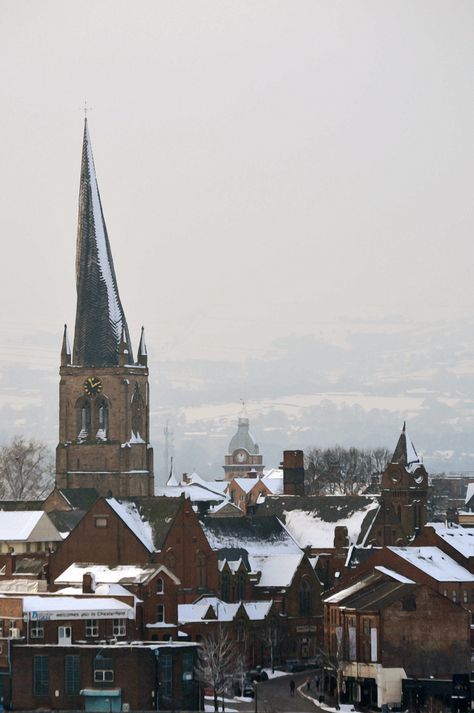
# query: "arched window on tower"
{"points": [[83, 407], [138, 414], [102, 419]]}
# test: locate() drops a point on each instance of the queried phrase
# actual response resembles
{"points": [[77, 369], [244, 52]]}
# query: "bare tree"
{"points": [[26, 470], [218, 660], [270, 636], [343, 471]]}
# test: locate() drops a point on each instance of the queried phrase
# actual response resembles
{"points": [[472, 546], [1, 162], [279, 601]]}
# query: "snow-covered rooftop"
{"points": [[121, 574], [394, 575], [469, 493], [277, 570], [257, 538], [309, 529], [246, 484], [460, 538], [435, 563], [18, 525], [67, 606], [273, 479], [224, 611], [129, 514]]}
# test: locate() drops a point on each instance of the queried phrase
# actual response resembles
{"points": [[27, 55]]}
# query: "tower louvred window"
{"points": [[138, 411]]}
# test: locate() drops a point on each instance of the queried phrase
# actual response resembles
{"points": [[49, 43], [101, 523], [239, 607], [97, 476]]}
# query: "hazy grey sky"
{"points": [[266, 168]]}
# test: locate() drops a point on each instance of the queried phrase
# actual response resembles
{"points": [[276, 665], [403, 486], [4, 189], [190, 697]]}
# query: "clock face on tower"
{"points": [[92, 386], [240, 456]]}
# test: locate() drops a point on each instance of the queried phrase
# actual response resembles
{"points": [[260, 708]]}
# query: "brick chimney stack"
{"points": [[293, 473]]}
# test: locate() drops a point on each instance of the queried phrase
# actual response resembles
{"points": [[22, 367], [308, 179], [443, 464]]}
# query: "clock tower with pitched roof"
{"points": [[104, 428]]}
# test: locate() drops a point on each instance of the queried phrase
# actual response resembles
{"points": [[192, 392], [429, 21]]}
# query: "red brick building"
{"points": [[386, 628], [143, 531]]}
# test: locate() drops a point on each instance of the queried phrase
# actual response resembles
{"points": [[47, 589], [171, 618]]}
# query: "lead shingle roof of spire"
{"points": [[100, 319], [405, 453]]}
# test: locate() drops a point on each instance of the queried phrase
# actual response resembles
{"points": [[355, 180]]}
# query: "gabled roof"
{"points": [[245, 484], [214, 609], [312, 519], [149, 518], [434, 562], [27, 525], [120, 574], [273, 479], [101, 326], [459, 538]]}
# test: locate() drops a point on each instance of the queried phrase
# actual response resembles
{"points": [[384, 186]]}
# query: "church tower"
{"points": [[104, 425], [404, 488]]}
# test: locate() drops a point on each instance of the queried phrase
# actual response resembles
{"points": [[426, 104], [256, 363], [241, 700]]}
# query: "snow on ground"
{"points": [[275, 674], [343, 707]]}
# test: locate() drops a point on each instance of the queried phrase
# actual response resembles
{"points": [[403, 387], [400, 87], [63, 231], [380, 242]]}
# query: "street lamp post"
{"points": [[255, 683]]}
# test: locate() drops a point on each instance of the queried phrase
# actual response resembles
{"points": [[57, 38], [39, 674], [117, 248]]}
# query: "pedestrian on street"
{"points": [[308, 684], [292, 688]]}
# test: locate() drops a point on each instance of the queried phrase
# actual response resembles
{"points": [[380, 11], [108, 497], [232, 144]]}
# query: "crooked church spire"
{"points": [[100, 319]]}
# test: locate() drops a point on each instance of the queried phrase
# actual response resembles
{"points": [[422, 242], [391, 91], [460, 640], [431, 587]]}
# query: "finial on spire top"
{"points": [[65, 348], [86, 109], [404, 427], [142, 352]]}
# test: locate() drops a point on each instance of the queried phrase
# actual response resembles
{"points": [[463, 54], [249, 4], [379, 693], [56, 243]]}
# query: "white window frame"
{"points": [[119, 627], [92, 628], [37, 629]]}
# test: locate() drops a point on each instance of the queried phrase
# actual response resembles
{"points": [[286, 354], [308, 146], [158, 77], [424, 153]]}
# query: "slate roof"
{"points": [[405, 452], [100, 319], [257, 536], [376, 595], [156, 514], [80, 498], [66, 521]]}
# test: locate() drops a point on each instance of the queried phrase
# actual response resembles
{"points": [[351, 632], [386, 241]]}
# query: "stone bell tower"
{"points": [[104, 426]]}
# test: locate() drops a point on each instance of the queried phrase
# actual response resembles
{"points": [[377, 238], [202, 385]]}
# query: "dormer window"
{"points": [[160, 586]]}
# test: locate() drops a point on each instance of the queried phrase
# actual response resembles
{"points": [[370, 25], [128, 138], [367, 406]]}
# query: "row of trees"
{"points": [[343, 471], [26, 470]]}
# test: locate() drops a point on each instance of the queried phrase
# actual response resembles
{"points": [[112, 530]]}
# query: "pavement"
{"points": [[274, 696]]}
